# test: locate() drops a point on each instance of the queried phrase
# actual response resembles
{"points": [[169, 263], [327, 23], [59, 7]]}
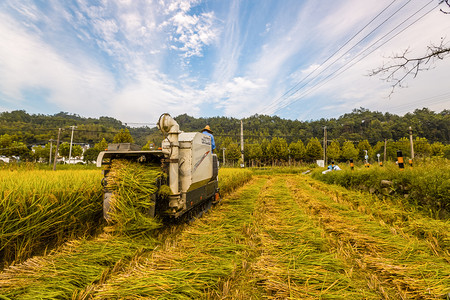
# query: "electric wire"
{"points": [[345, 53], [274, 102], [335, 73], [319, 84]]}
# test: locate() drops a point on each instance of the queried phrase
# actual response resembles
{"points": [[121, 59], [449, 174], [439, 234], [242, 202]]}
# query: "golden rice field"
{"points": [[273, 236], [41, 208]]}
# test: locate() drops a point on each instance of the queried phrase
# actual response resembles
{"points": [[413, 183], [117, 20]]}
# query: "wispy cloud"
{"points": [[231, 43], [134, 59], [29, 63]]}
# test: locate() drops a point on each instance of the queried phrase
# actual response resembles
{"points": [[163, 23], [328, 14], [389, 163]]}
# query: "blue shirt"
{"points": [[213, 144]]}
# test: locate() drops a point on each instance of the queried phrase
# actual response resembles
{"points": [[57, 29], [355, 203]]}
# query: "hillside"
{"points": [[358, 125]]}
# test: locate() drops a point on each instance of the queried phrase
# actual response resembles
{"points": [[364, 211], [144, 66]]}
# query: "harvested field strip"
{"points": [[296, 261], [257, 244], [200, 260], [396, 266], [71, 270], [401, 218]]}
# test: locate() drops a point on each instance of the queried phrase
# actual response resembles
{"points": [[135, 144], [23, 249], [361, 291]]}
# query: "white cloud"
{"points": [[237, 97], [192, 32], [27, 62]]}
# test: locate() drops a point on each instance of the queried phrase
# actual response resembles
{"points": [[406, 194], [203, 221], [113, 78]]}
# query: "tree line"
{"points": [[267, 139]]}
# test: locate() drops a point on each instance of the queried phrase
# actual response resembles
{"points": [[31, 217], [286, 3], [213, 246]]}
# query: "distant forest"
{"points": [[357, 126]]}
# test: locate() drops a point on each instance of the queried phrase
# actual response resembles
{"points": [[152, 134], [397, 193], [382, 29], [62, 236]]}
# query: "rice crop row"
{"points": [[425, 186], [75, 268], [70, 271], [232, 178], [394, 263], [401, 217], [41, 209]]}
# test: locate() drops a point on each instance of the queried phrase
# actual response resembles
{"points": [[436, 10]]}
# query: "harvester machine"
{"points": [[187, 160]]}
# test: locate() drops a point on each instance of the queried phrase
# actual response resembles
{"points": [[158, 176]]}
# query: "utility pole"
{"points": [[411, 142], [71, 140], [289, 151], [223, 151], [57, 148], [242, 145], [51, 150], [325, 145], [385, 151]]}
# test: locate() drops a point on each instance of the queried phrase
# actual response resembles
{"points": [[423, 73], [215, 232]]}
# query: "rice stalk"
{"points": [[41, 209], [133, 185]]}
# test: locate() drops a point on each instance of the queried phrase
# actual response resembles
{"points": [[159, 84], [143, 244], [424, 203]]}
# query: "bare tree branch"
{"points": [[405, 66], [448, 4]]}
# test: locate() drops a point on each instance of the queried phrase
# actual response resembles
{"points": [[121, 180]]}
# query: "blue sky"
{"points": [[134, 59]]}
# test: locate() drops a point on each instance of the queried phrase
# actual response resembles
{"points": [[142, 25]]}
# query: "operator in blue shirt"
{"points": [[207, 130]]}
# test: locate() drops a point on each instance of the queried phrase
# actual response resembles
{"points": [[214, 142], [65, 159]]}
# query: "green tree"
{"points": [[123, 136], [421, 147], [403, 145], [297, 150], [364, 145], [437, 149], [264, 148], [446, 151], [313, 149], [102, 145], [253, 152], [378, 149], [9, 147], [233, 152], [349, 151], [5, 141], [90, 155], [64, 150], [278, 149], [334, 150]]}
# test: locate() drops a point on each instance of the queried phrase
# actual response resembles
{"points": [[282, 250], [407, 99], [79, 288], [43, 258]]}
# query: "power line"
{"points": [[342, 55], [366, 48], [326, 60], [335, 73]]}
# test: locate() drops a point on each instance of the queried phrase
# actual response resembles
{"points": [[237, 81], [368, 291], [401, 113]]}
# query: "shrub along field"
{"points": [[425, 186], [282, 235]]}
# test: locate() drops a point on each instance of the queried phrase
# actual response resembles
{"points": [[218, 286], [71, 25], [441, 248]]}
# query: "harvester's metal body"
{"points": [[187, 159]]}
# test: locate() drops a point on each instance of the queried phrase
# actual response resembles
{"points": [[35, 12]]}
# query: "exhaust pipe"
{"points": [[167, 125]]}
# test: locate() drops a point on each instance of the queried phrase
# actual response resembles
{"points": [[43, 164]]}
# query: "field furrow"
{"points": [[296, 260]]}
